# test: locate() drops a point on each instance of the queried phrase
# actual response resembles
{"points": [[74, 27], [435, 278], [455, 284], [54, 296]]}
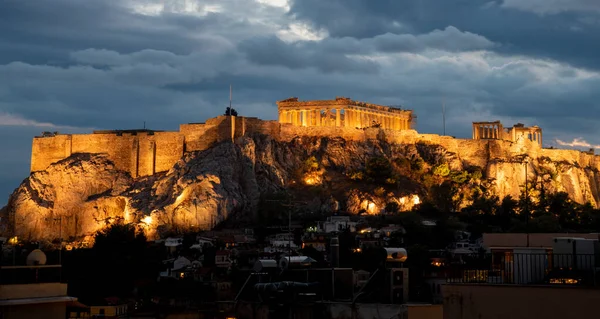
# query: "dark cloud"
{"points": [[273, 51], [569, 35]]}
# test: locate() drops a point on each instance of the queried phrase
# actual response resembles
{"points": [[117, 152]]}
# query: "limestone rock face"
{"points": [[79, 195]]}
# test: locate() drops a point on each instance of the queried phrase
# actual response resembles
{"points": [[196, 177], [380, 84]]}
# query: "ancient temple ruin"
{"points": [[495, 130], [343, 112]]}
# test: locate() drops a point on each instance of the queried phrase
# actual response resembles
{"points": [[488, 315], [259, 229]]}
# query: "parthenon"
{"points": [[343, 112], [495, 130]]}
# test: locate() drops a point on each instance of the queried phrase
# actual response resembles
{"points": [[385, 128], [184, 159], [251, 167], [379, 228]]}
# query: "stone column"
{"points": [[338, 117], [347, 117], [303, 117]]}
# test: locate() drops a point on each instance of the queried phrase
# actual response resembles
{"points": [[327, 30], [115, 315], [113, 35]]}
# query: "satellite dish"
{"points": [[36, 258], [396, 254]]}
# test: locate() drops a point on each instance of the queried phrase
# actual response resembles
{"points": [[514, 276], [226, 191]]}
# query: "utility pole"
{"points": [[290, 204]]}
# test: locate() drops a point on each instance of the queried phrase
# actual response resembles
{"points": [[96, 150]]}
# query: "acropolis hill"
{"points": [[205, 172]]}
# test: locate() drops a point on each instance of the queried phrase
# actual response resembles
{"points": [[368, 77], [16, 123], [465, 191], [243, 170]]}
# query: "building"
{"points": [[507, 242], [528, 273], [337, 224], [33, 290], [109, 308], [343, 112], [495, 130], [316, 240], [223, 259]]}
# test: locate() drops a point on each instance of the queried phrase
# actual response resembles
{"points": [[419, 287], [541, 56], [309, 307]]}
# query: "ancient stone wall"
{"points": [[48, 150], [139, 154], [146, 153]]}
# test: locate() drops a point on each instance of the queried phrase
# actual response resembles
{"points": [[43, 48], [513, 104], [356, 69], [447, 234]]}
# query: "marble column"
{"points": [[338, 117], [359, 118]]}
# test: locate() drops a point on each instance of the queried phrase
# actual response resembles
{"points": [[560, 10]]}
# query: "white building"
{"points": [[337, 224]]}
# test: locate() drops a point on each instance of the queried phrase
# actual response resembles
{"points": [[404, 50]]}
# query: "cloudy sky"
{"points": [[74, 66]]}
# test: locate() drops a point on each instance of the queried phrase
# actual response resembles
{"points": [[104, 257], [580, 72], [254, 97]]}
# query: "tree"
{"points": [[230, 111], [392, 208], [311, 164], [120, 258], [379, 168], [441, 170]]}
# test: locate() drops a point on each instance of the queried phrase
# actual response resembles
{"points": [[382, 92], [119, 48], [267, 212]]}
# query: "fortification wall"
{"points": [[48, 150], [201, 136], [255, 125], [144, 153], [122, 150], [169, 149], [140, 154]]}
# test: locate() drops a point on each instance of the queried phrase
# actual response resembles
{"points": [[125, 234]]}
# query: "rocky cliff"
{"points": [[85, 192]]}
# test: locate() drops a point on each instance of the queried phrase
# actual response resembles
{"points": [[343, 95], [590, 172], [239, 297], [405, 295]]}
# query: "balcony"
{"points": [[526, 269], [31, 282]]}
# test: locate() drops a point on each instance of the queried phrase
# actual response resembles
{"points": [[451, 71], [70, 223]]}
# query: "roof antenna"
{"points": [[444, 115], [229, 97], [144, 125]]}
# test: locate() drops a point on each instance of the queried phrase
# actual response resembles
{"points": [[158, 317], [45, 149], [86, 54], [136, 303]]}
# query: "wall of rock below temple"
{"points": [[144, 154]]}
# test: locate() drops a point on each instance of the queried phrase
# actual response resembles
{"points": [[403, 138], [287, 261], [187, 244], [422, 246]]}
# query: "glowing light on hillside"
{"points": [[147, 220], [13, 240], [180, 198], [416, 200], [371, 208], [312, 179], [309, 181]]}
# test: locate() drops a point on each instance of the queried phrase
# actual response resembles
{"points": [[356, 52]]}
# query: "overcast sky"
{"points": [[74, 66]]}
